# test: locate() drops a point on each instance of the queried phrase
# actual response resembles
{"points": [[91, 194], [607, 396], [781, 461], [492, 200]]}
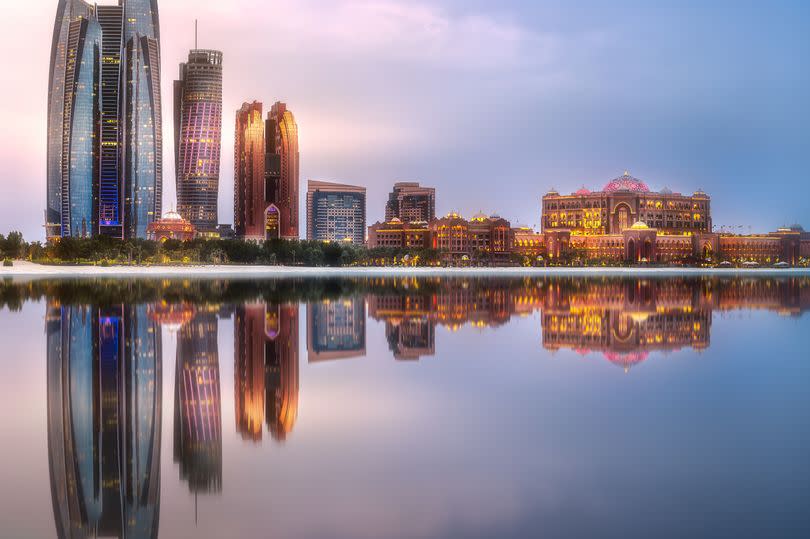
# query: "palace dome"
{"points": [[626, 183], [640, 225], [583, 192], [172, 216]]}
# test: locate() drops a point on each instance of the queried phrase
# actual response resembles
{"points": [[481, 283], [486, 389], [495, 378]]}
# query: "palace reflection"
{"points": [[104, 420], [266, 369], [623, 319]]}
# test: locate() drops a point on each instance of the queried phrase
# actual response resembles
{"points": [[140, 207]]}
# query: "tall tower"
{"points": [[283, 161], [143, 132], [66, 12], [105, 160], [249, 173], [109, 191], [198, 138]]}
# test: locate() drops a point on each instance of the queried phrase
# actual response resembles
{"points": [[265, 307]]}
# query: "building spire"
{"points": [[195, 34]]}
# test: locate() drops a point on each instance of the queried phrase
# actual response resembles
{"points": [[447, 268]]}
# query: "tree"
{"points": [[13, 246]]}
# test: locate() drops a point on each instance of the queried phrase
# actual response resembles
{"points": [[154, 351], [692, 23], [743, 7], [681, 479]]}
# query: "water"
{"points": [[405, 408]]}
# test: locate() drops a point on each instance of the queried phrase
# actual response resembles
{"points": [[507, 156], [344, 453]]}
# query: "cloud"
{"points": [[393, 29]]}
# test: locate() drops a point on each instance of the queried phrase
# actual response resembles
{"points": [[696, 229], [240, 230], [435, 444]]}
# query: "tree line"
{"points": [[106, 251]]}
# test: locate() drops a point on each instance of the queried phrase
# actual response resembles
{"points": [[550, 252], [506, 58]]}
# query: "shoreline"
{"points": [[37, 271]]}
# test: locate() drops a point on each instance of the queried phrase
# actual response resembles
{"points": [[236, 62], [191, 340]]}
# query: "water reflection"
{"points": [[105, 381], [198, 404], [266, 369], [104, 420]]}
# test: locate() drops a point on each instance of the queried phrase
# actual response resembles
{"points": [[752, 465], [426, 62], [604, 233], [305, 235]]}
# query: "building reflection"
{"points": [[104, 420], [625, 320], [197, 403], [266, 370], [336, 329]]}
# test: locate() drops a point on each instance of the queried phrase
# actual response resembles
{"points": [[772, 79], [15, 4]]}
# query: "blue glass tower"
{"points": [[105, 159], [143, 139]]}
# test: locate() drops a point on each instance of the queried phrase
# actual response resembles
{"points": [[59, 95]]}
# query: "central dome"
{"points": [[626, 183]]}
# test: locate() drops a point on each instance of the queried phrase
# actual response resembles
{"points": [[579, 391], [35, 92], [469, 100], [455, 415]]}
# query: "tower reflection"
{"points": [[197, 404], [266, 369], [104, 420]]}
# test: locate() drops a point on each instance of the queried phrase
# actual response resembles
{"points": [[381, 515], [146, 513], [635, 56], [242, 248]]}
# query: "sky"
{"points": [[492, 103]]}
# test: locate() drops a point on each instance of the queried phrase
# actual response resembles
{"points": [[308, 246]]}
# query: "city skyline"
{"points": [[701, 124]]}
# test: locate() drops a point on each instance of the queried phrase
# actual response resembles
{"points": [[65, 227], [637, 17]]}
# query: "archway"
{"points": [[624, 218], [647, 251], [707, 251], [632, 255], [272, 227]]}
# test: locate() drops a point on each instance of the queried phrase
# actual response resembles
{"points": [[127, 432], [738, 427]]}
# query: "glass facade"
{"points": [[66, 11], [336, 212], [282, 143], [198, 138], [80, 115], [96, 184]]}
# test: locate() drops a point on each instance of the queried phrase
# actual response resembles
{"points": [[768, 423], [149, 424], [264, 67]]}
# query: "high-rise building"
{"points": [[266, 173], [409, 202], [70, 43], [104, 420], [249, 173], [143, 126], [336, 212], [282, 172], [198, 138], [105, 159]]}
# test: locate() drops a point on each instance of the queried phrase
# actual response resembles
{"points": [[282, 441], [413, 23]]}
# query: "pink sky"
{"points": [[491, 103]]}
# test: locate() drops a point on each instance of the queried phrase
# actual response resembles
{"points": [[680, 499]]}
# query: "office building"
{"points": [[410, 203], [336, 212], [105, 159], [198, 138]]}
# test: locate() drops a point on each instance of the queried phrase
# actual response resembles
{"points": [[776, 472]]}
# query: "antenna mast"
{"points": [[195, 34]]}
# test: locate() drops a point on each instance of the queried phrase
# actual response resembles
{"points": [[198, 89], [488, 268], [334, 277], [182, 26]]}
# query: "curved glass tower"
{"points": [[143, 132], [105, 160]]}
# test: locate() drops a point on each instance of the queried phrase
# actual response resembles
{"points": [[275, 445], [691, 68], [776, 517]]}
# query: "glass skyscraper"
{"points": [[105, 161], [198, 138]]}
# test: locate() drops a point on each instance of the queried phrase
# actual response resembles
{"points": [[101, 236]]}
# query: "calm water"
{"points": [[423, 408]]}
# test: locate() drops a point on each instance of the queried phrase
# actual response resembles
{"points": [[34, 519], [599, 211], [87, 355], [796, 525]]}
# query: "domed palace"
{"points": [[171, 227], [628, 221], [623, 202]]}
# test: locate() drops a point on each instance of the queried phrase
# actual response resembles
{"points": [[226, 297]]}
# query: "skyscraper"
{"points": [[266, 173], [282, 173], [143, 134], [336, 212], [409, 202], [104, 173], [79, 171], [249, 173], [198, 138]]}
